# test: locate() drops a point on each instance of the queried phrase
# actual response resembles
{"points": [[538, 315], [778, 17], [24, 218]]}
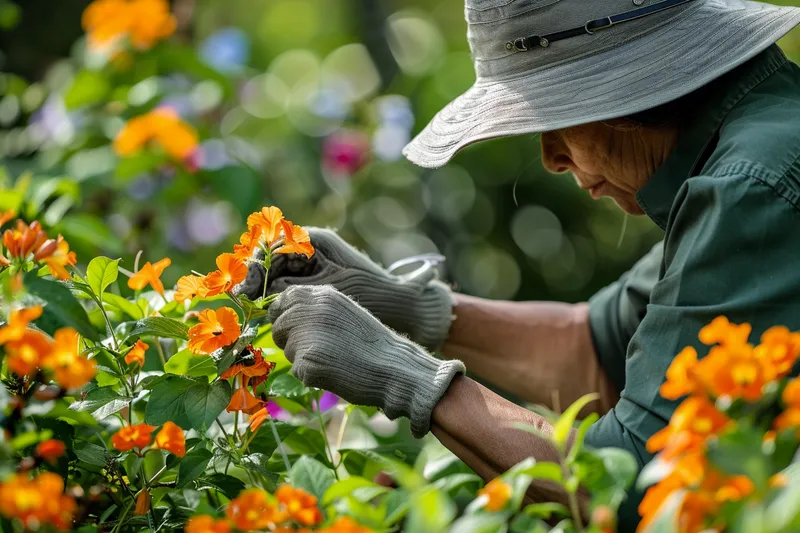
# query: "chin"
{"points": [[629, 205]]}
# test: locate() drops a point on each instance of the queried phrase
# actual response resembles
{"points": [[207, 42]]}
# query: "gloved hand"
{"points": [[337, 345], [419, 305]]}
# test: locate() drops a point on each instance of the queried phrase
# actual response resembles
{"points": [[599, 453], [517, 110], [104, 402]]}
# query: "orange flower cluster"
{"points": [[266, 228], [497, 493], [36, 502], [251, 373], [345, 524], [24, 243], [216, 329], [161, 127], [733, 369], [28, 349], [170, 438], [144, 22], [206, 524]]}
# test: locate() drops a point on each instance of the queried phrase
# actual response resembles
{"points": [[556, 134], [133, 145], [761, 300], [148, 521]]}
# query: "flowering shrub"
{"points": [[722, 460], [130, 403]]}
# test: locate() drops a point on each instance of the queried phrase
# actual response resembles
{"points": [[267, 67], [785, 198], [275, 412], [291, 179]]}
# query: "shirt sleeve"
{"points": [[728, 250], [616, 311]]}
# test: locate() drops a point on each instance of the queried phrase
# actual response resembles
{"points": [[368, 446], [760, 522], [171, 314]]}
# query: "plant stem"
{"points": [[280, 444], [322, 429], [236, 425], [156, 476], [267, 263], [160, 351], [122, 517]]}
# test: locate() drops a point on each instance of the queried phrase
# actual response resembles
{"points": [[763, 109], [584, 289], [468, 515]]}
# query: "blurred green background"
{"points": [[303, 104]]}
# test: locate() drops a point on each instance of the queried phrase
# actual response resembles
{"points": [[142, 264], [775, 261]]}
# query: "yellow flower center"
{"points": [[744, 374], [702, 425]]}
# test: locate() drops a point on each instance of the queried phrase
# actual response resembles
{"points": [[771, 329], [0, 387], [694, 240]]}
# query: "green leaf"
{"points": [[102, 402], [185, 363], [580, 435], [312, 476], [159, 326], [246, 196], [431, 511], [344, 488], [739, 453], [101, 273], [124, 305], [480, 523], [397, 504], [288, 386], [563, 425], [204, 403], [166, 401], [193, 465], [92, 454], [546, 510], [224, 357], [227, 485], [89, 87], [136, 164], [451, 484], [264, 441], [60, 307], [549, 471]]}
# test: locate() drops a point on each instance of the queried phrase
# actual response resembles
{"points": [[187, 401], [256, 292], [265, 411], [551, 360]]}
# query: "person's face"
{"points": [[611, 159]]}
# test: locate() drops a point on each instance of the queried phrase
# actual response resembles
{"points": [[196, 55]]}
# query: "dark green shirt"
{"points": [[728, 200]]}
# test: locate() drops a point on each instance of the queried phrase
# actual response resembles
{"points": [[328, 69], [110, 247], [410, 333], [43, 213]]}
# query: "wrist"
{"points": [[433, 315]]}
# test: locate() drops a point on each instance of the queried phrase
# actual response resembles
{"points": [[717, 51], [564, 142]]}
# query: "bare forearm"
{"points": [[539, 351], [477, 426]]}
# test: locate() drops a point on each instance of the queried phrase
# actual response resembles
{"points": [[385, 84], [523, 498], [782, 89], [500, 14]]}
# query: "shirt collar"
{"points": [[658, 194]]}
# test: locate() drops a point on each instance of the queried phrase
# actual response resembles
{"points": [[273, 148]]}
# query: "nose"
{"points": [[555, 155]]}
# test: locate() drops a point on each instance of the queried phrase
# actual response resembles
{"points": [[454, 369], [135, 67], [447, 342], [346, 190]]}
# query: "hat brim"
{"points": [[668, 63]]}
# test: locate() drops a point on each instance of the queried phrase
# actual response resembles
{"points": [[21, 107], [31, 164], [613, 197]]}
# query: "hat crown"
{"points": [[491, 24]]}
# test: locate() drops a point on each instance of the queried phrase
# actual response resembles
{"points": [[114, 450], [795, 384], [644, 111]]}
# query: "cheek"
{"points": [[590, 150]]}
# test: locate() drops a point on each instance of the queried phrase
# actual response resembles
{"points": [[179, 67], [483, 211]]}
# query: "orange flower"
{"points": [[206, 524], [680, 378], [23, 240], [71, 369], [216, 329], [297, 240], [50, 450], [37, 501], [5, 216], [243, 400], [130, 437], [28, 352], [345, 524], [248, 242], [150, 274], [790, 418], [791, 394], [232, 271], [136, 355], [269, 218], [171, 439], [258, 418], [301, 506], [721, 331], [257, 368], [17, 324], [252, 510], [144, 22], [778, 351], [189, 287], [497, 492], [60, 258], [692, 422], [161, 127], [732, 370]]}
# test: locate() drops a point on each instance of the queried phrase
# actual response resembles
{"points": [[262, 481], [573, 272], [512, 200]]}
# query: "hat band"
{"points": [[523, 44]]}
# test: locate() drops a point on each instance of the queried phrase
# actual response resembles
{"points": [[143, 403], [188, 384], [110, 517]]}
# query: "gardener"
{"points": [[682, 110]]}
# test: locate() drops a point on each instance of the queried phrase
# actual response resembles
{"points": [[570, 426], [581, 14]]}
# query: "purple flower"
{"points": [[345, 152]]}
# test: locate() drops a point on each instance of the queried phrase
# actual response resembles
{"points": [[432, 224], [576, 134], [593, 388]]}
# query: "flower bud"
{"points": [[142, 502]]}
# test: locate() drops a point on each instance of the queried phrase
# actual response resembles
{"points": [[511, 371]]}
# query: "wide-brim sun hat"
{"points": [[543, 65]]}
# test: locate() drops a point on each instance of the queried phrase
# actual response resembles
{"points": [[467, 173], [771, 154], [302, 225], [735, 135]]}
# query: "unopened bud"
{"points": [[603, 518], [142, 502]]}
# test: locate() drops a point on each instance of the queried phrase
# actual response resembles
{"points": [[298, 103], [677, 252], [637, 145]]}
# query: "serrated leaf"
{"points": [[101, 273], [159, 326], [185, 363], [192, 466], [60, 307], [102, 402], [204, 403], [312, 476], [92, 454]]}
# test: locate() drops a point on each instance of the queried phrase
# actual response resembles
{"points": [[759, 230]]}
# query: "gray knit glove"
{"points": [[418, 304], [337, 345]]}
